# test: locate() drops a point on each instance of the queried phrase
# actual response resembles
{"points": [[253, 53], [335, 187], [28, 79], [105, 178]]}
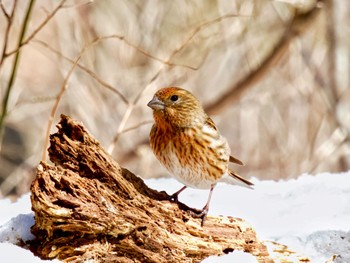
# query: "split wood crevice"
{"points": [[87, 207]]}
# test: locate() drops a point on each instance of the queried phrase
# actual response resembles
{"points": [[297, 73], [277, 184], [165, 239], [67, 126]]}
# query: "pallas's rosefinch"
{"points": [[187, 142]]}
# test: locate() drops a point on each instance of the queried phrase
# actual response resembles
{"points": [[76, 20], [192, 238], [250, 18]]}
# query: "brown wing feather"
{"points": [[211, 124], [232, 159], [240, 178]]}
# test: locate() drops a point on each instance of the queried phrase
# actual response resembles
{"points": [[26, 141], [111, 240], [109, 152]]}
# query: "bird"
{"points": [[189, 145]]}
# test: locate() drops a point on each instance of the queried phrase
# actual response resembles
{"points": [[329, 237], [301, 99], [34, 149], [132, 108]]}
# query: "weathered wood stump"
{"points": [[87, 207]]}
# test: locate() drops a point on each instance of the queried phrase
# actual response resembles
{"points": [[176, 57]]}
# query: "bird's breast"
{"points": [[195, 157]]}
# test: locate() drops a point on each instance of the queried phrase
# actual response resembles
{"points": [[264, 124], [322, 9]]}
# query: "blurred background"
{"points": [[273, 75]]}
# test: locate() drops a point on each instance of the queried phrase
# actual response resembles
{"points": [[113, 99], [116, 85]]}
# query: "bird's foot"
{"points": [[174, 198], [200, 214]]}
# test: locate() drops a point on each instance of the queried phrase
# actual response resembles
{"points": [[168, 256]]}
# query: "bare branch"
{"points": [[9, 18], [75, 5], [121, 127], [115, 139], [147, 54], [37, 30], [4, 10], [58, 99], [86, 70], [137, 126], [199, 28]]}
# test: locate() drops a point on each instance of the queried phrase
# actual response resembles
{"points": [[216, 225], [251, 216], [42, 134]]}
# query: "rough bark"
{"points": [[87, 207]]}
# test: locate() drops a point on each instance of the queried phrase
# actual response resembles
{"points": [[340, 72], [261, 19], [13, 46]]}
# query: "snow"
{"points": [[17, 228], [311, 215]]}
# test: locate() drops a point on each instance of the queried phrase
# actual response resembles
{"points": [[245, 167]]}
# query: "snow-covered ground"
{"points": [[310, 214]]}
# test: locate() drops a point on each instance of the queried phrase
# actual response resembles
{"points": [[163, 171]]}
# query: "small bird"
{"points": [[189, 145]]}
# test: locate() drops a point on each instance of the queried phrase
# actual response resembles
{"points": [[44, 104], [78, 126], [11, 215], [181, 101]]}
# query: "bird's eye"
{"points": [[174, 98]]}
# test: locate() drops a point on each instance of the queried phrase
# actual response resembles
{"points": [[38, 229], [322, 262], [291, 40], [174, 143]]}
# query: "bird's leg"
{"points": [[174, 196], [205, 209]]}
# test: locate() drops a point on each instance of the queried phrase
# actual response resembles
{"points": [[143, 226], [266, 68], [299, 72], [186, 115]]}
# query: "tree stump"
{"points": [[87, 207]]}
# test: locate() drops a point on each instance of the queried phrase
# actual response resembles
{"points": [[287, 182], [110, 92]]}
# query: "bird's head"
{"points": [[176, 107]]}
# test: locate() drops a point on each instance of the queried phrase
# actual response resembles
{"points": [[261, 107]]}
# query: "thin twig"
{"points": [[121, 127], [199, 28], [4, 10], [9, 18], [37, 30], [35, 100], [76, 5], [57, 101], [137, 126], [86, 70], [147, 54]]}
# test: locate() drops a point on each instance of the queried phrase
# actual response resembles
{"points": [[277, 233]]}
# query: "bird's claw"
{"points": [[174, 198], [200, 214]]}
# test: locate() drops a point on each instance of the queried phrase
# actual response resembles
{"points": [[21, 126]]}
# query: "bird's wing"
{"points": [[209, 122]]}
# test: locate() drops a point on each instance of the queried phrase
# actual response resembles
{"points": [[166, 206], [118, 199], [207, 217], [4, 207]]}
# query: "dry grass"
{"points": [[273, 74]]}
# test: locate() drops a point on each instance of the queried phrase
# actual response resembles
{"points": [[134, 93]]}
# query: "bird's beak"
{"points": [[156, 104]]}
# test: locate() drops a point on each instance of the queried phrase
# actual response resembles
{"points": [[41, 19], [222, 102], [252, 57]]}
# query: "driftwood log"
{"points": [[87, 207]]}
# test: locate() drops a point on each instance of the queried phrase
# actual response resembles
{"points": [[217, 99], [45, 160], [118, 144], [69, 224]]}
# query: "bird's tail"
{"points": [[232, 178]]}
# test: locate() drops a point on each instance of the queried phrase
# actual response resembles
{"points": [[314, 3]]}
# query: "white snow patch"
{"points": [[17, 229]]}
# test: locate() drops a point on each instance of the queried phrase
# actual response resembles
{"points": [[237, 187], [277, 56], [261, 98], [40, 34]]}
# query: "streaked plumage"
{"points": [[186, 141]]}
